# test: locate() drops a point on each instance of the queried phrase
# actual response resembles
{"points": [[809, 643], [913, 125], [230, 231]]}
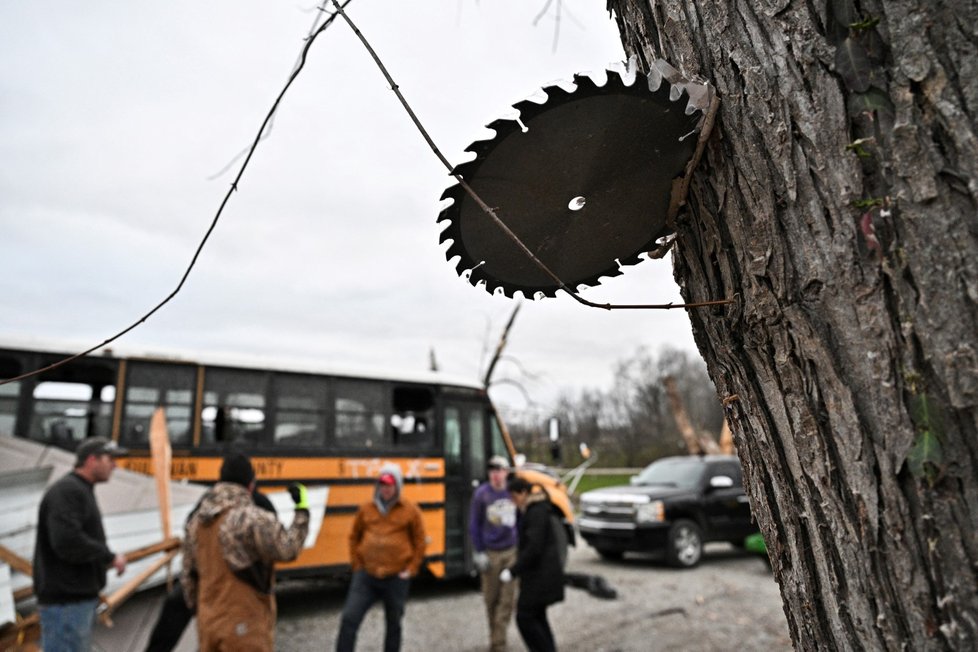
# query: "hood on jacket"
{"points": [[536, 497], [220, 498], [394, 470]]}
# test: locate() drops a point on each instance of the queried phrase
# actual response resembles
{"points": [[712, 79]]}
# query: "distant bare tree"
{"points": [[631, 423]]}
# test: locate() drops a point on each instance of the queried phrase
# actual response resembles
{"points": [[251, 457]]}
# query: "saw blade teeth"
{"points": [[654, 79], [477, 276], [445, 216], [528, 109], [453, 249], [556, 93], [675, 92], [625, 72], [448, 234], [597, 78], [629, 260], [453, 192], [585, 83], [618, 79], [666, 69], [464, 170], [700, 97], [480, 147], [503, 128]]}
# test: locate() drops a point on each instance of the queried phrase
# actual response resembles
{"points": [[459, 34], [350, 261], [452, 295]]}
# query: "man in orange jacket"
{"points": [[387, 546]]}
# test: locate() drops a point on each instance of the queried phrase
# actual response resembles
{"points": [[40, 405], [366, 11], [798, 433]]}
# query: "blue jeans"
{"points": [[67, 627], [364, 591]]}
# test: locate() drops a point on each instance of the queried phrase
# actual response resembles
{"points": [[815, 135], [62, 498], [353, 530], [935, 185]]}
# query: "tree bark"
{"points": [[836, 201]]}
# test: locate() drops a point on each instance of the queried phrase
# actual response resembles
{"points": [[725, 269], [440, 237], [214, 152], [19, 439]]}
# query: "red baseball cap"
{"points": [[386, 478]]}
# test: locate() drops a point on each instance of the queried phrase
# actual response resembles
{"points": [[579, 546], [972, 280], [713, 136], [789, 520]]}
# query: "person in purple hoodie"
{"points": [[492, 528]]}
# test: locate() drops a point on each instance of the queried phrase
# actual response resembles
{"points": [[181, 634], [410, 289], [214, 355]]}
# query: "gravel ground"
{"points": [[730, 601]]}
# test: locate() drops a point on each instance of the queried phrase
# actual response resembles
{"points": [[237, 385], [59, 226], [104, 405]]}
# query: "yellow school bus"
{"points": [[316, 426]]}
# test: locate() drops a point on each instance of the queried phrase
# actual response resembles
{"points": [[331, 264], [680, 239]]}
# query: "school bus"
{"points": [[316, 426]]}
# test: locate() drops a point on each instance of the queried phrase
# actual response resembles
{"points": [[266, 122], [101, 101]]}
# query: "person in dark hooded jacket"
{"points": [[538, 566], [387, 545]]}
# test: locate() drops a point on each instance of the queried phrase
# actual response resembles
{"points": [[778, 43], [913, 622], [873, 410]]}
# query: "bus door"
{"points": [[465, 467]]}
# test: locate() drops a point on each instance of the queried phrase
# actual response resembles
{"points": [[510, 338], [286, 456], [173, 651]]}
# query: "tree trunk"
{"points": [[836, 202]]}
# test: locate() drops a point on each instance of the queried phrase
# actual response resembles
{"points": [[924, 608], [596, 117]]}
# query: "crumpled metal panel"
{"points": [[612, 151]]}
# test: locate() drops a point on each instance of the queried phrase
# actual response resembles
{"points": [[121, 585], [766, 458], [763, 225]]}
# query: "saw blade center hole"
{"points": [[577, 203]]}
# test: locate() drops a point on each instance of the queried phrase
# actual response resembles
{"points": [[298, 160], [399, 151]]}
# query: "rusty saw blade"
{"points": [[588, 180]]}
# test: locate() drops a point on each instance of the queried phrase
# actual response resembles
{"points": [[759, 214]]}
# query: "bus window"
{"points": [[60, 413], [361, 414], [300, 411], [453, 442], [66, 412], [477, 442], [8, 408], [153, 384], [498, 443], [412, 423], [234, 406], [9, 393]]}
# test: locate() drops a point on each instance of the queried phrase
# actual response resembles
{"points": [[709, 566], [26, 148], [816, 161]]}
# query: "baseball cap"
{"points": [[387, 478], [498, 462], [97, 446]]}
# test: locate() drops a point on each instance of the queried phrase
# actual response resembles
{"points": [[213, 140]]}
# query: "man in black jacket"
{"points": [[70, 554]]}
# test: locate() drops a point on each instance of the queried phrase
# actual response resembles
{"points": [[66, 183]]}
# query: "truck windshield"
{"points": [[680, 473]]}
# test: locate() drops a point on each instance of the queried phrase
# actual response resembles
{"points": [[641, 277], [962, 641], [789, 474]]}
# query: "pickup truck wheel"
{"points": [[611, 555], [685, 544]]}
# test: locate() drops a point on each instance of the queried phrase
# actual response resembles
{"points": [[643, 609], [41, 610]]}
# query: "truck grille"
{"points": [[610, 511]]}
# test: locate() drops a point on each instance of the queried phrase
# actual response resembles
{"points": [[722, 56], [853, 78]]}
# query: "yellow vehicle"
{"points": [[301, 424]]}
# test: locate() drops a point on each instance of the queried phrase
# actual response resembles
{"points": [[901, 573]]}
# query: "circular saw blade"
{"points": [[586, 186]]}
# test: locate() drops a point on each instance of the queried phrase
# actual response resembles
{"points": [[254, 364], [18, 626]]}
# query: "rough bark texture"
{"points": [[837, 202]]}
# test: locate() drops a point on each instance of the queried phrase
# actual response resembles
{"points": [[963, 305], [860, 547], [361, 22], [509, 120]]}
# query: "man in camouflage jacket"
{"points": [[229, 553]]}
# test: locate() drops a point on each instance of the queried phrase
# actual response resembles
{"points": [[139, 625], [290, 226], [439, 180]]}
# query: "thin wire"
{"points": [[542, 12], [319, 9], [234, 186], [489, 211]]}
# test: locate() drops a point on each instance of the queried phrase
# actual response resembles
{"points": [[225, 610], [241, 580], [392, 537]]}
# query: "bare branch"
{"points": [[515, 383], [500, 346]]}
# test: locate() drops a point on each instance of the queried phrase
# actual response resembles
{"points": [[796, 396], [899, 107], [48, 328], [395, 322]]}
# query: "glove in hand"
{"points": [[481, 561], [300, 496]]}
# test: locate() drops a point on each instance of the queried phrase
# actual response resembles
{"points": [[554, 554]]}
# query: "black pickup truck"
{"points": [[671, 508]]}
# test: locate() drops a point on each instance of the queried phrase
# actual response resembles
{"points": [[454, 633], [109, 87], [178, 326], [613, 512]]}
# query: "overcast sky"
{"points": [[116, 117]]}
